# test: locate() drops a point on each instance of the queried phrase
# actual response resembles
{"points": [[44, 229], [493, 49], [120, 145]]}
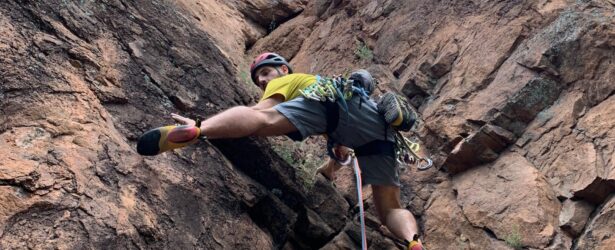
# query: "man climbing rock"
{"points": [[289, 107]]}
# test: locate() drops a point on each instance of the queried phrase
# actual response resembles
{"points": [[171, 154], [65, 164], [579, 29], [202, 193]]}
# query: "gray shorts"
{"points": [[360, 125]]}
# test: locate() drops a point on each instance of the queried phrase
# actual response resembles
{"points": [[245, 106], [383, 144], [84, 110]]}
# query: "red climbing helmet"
{"points": [[267, 59]]}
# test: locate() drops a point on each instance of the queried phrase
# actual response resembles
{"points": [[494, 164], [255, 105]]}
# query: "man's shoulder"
{"points": [[295, 76], [288, 85], [288, 81]]}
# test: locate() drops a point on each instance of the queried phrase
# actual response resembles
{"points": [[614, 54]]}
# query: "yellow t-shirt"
{"points": [[288, 86]]}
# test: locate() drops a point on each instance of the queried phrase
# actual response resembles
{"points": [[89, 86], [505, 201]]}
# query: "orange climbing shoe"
{"points": [[415, 244], [162, 139]]}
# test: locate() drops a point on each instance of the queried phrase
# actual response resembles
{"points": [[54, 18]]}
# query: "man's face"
{"points": [[267, 73]]}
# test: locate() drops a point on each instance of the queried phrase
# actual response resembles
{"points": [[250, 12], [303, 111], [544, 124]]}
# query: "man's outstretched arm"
{"points": [[242, 121]]}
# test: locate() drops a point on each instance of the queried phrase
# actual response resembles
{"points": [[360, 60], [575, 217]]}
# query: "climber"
{"points": [[283, 110]]}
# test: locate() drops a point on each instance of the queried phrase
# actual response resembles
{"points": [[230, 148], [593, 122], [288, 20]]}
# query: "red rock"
{"points": [[481, 147], [80, 82], [527, 207], [574, 216], [446, 226], [599, 231]]}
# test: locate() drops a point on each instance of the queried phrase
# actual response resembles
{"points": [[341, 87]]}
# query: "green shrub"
{"points": [[300, 156], [245, 77], [513, 239], [363, 52]]}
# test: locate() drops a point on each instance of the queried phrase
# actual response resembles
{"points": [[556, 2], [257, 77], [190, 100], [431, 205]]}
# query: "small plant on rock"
{"points": [[513, 239], [362, 51], [302, 157], [245, 77]]}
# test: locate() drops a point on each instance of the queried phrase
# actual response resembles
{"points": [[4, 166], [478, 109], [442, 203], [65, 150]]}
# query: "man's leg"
{"points": [[331, 166], [398, 220]]}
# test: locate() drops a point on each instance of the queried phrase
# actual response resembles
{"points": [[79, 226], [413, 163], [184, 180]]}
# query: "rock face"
{"points": [[80, 80], [599, 233], [531, 212], [574, 215], [516, 100]]}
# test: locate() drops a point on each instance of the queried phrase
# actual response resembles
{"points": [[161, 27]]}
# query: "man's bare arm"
{"points": [[241, 121]]}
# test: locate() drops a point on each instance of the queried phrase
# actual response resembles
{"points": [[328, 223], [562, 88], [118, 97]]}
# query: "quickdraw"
{"points": [[406, 152]]}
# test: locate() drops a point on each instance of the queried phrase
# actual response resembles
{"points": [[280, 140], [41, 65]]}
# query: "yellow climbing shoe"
{"points": [[397, 111], [162, 139]]}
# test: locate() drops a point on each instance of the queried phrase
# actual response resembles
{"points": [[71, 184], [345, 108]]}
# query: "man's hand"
{"points": [[183, 120]]}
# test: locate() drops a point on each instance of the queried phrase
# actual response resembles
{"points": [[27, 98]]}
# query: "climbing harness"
{"points": [[332, 91]]}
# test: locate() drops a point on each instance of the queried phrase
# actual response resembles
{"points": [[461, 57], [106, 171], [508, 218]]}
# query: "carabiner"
{"points": [[426, 166]]}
